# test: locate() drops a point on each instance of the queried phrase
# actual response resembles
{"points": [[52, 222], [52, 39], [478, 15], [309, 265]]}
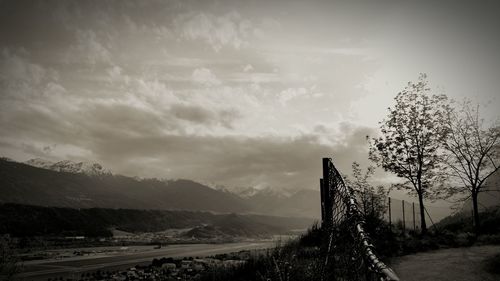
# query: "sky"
{"points": [[232, 93]]}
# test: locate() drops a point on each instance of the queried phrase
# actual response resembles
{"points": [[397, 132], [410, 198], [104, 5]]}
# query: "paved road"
{"points": [[41, 270], [458, 264]]}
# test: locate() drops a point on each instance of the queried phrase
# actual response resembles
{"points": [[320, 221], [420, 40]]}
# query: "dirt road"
{"points": [[459, 264]]}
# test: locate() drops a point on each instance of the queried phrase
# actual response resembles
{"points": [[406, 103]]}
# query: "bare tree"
{"points": [[472, 153], [412, 136]]}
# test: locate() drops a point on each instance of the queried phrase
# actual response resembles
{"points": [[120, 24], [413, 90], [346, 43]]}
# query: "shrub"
{"points": [[489, 239]]}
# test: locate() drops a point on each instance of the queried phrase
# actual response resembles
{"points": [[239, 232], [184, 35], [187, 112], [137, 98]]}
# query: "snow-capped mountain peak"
{"points": [[249, 192], [39, 163], [6, 159], [91, 169]]}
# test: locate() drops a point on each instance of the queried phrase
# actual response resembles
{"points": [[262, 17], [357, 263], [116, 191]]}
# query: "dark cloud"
{"points": [[232, 161], [200, 115]]}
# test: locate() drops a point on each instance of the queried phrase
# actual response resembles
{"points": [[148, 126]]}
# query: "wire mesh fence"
{"points": [[349, 253], [406, 215], [402, 214]]}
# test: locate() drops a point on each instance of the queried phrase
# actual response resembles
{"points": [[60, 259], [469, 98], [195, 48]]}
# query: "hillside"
{"points": [[462, 221], [24, 220], [490, 195], [25, 184], [240, 226]]}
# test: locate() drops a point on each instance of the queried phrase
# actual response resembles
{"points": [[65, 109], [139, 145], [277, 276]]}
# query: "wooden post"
{"points": [[472, 217], [373, 207], [327, 192], [404, 225], [390, 222], [413, 208], [322, 195]]}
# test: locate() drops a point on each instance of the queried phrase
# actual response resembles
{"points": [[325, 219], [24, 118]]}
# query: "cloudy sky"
{"points": [[236, 93]]}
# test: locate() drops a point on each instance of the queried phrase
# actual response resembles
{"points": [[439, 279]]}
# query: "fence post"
{"points": [[390, 221], [404, 224], [413, 208], [322, 197], [472, 217], [373, 207], [327, 197]]}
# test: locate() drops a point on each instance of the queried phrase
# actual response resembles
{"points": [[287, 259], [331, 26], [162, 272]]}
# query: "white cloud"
{"points": [[117, 75], [247, 68], [153, 93], [205, 77], [218, 31], [89, 48], [20, 78], [14, 67], [114, 72], [291, 93], [54, 89]]}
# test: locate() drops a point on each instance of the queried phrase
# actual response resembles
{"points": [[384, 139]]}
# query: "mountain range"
{"points": [[90, 185]]}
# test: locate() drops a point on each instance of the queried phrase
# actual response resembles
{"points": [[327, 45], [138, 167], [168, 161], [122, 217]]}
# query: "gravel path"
{"points": [[458, 264]]}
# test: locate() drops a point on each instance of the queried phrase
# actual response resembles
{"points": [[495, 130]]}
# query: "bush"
{"points": [[489, 239], [465, 239]]}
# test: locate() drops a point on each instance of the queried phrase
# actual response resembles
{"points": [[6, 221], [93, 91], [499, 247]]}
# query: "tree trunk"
{"points": [[423, 225], [477, 224]]}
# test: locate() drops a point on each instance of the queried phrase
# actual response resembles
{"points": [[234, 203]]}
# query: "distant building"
{"points": [[185, 264], [232, 263]]}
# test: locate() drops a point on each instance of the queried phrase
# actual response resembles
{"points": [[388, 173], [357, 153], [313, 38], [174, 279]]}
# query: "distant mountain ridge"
{"points": [[82, 185], [26, 220]]}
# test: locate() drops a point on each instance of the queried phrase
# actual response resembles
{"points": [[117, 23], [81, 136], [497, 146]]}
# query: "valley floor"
{"points": [[41, 270]]}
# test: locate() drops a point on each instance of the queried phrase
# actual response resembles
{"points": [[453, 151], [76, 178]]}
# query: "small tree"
{"points": [[372, 199], [412, 135], [472, 154]]}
